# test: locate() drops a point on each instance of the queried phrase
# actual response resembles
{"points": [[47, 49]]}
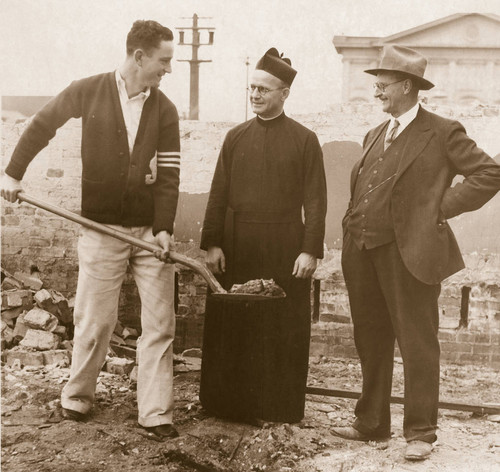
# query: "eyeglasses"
{"points": [[262, 90], [381, 86]]}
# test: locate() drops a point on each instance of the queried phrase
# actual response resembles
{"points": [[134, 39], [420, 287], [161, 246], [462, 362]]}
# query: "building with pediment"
{"points": [[463, 52]]}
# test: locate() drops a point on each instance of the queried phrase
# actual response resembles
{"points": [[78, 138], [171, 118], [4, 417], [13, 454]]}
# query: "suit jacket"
{"points": [[422, 197]]}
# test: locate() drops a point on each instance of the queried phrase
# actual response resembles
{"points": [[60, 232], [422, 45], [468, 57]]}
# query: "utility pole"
{"points": [[247, 63], [194, 62]]}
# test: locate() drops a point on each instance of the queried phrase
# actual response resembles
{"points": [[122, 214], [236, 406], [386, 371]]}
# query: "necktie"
{"points": [[391, 135]]}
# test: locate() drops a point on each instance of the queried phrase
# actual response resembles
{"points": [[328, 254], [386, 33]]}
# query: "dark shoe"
{"points": [[418, 450], [163, 431], [348, 432], [73, 415]]}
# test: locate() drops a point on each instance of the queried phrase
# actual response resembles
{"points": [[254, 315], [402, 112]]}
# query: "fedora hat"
{"points": [[404, 60]]}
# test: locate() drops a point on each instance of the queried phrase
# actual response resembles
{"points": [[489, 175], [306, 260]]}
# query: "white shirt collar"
{"points": [[122, 89], [405, 119]]}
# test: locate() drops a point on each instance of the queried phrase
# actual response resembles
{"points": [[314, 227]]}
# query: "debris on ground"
{"points": [[36, 355]]}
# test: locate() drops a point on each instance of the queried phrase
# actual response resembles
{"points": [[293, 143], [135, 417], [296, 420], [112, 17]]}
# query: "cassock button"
{"points": [[370, 185], [380, 159], [363, 216], [375, 171], [364, 230], [366, 200]]}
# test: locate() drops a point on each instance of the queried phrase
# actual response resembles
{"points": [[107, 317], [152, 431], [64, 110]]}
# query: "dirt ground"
{"points": [[36, 438]]}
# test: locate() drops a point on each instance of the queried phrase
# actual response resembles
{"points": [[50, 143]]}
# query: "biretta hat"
{"points": [[275, 64], [404, 60]]}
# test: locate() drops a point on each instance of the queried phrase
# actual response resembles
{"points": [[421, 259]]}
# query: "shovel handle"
{"points": [[197, 266]]}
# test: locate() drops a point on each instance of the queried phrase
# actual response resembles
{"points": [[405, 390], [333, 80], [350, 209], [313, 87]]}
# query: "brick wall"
{"points": [[33, 237]]}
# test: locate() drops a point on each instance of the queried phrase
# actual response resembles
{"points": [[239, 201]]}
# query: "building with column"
{"points": [[463, 52]]}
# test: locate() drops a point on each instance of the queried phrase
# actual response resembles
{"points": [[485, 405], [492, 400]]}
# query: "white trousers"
{"points": [[103, 264]]}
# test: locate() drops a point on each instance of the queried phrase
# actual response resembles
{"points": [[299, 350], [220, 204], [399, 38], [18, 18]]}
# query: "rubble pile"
{"points": [[37, 324], [37, 330]]}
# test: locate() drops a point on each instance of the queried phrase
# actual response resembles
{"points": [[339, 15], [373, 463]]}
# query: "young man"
{"points": [[398, 246], [130, 179]]}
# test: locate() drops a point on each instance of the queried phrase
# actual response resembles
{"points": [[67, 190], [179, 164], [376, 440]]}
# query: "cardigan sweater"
{"points": [[138, 188]]}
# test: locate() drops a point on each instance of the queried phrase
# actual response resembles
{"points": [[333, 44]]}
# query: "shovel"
{"points": [[217, 290]]}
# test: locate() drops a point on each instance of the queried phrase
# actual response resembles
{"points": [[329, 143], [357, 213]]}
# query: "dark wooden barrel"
{"points": [[255, 360]]}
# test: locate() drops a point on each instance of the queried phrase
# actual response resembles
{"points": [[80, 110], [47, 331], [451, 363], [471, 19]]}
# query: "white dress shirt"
{"points": [[404, 120], [131, 109]]}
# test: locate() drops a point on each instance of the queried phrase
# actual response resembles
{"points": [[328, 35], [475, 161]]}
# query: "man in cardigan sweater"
{"points": [[130, 181]]}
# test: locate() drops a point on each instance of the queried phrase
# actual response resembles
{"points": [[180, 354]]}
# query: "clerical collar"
{"points": [[271, 121]]}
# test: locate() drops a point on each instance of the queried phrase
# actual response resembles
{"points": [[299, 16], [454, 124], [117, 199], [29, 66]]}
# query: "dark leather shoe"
{"points": [[73, 415], [348, 432], [418, 450], [163, 431]]}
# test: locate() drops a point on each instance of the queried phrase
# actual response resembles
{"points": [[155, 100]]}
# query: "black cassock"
{"points": [[267, 204]]}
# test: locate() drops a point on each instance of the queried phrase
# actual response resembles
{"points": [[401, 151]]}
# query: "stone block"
{"points": [[61, 331], [10, 283], [334, 318], [449, 335], [483, 338], [131, 342], [54, 302], [481, 349], [68, 345], [118, 329], [40, 340], [12, 298], [11, 313], [16, 298], [42, 297], [464, 336], [119, 365], [24, 357], [60, 357], [20, 329], [7, 335], [41, 319], [456, 347], [115, 339], [30, 281], [193, 352], [133, 374], [129, 333]]}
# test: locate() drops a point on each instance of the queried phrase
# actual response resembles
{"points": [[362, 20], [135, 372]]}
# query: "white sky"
{"points": [[45, 44]]}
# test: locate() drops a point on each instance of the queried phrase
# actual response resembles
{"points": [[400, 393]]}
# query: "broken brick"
{"points": [[24, 357], [40, 340], [16, 298], [61, 357], [61, 331], [10, 283], [193, 352], [41, 319], [7, 335], [12, 313], [119, 365], [20, 329], [30, 281]]}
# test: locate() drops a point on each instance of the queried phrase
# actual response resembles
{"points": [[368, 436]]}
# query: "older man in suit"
{"points": [[398, 246]]}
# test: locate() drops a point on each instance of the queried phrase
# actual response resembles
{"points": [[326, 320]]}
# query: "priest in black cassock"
{"points": [[266, 211]]}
